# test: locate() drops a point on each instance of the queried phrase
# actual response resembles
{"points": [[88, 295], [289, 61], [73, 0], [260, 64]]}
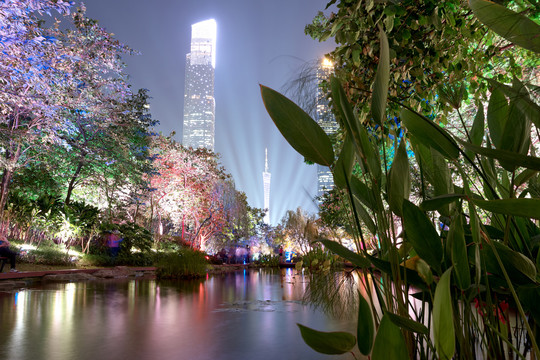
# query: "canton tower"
{"points": [[266, 184], [199, 103]]}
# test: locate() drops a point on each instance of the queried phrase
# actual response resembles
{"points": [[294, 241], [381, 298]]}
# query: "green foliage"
{"points": [[135, 238], [432, 43], [389, 342], [49, 255], [365, 329], [474, 238], [268, 261], [318, 260], [185, 263], [331, 343]]}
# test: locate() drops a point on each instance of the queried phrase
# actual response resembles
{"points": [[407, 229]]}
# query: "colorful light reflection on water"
{"points": [[242, 315]]}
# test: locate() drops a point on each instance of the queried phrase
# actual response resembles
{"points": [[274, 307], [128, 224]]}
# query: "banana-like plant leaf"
{"points": [[497, 114], [512, 26], [399, 182], [477, 130], [363, 193], [408, 324], [364, 216], [520, 269], [367, 151], [520, 95], [380, 86], [389, 342], [298, 128], [443, 318], [413, 278], [458, 250], [439, 201], [345, 253], [365, 330], [524, 176], [529, 162], [430, 134], [331, 343], [344, 164], [422, 235], [528, 208]]}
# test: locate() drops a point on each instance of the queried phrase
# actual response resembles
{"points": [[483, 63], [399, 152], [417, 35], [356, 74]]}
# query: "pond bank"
{"points": [[10, 281]]}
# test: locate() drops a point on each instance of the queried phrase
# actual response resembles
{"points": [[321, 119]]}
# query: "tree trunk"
{"points": [[4, 187], [72, 182]]}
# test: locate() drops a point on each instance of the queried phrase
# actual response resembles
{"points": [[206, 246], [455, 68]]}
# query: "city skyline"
{"points": [[199, 102], [257, 43]]}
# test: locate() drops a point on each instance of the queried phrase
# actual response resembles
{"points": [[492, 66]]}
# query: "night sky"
{"points": [[259, 42]]}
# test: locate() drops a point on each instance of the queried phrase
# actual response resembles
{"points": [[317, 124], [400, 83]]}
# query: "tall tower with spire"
{"points": [[266, 185]]}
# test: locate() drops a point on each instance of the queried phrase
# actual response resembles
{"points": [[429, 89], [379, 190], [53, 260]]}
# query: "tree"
{"points": [[432, 44], [56, 82], [185, 189], [300, 229]]}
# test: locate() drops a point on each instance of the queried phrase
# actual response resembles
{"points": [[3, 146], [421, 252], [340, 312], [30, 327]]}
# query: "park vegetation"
{"points": [[79, 156], [446, 228]]}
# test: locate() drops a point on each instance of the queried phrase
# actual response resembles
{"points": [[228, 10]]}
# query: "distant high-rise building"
{"points": [[326, 120], [266, 185], [199, 103]]}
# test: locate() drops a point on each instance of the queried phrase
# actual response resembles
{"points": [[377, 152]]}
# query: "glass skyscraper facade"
{"points": [[199, 102], [266, 186], [326, 120]]}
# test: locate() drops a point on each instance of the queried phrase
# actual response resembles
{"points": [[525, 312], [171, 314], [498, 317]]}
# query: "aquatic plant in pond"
{"points": [[184, 263], [469, 248]]}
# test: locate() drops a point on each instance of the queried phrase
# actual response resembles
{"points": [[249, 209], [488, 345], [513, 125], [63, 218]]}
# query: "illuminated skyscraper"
{"points": [[266, 186], [199, 103], [326, 120]]}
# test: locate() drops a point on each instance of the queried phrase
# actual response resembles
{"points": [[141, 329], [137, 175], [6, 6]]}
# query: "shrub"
{"points": [[47, 255], [185, 263]]}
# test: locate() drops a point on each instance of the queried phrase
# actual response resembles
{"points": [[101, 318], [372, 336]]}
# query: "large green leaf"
{"points": [[364, 216], [365, 330], [380, 86], [367, 151], [331, 343], [430, 134], [520, 269], [458, 248], [497, 115], [529, 162], [514, 27], [413, 277], [529, 208], [443, 318], [399, 182], [408, 324], [298, 128], [363, 193], [519, 93], [389, 342], [477, 130], [345, 253], [439, 201], [344, 164], [422, 235]]}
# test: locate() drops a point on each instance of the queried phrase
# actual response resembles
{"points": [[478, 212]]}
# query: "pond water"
{"points": [[242, 315]]}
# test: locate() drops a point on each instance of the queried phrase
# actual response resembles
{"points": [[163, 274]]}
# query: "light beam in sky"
{"points": [[259, 42]]}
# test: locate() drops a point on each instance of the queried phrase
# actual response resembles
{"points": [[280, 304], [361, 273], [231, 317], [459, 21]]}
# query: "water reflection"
{"points": [[242, 315]]}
